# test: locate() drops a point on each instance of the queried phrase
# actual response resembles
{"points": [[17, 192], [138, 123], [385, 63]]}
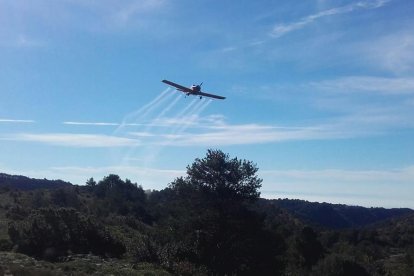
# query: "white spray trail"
{"points": [[156, 119], [151, 124], [146, 121], [157, 104], [186, 119], [184, 122], [193, 116], [179, 121], [135, 116], [183, 111]]}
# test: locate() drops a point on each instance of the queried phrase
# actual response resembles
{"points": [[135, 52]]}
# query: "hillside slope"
{"points": [[337, 216], [180, 230], [25, 183]]}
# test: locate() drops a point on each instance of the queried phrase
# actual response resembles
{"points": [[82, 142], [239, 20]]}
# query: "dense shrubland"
{"points": [[210, 222]]}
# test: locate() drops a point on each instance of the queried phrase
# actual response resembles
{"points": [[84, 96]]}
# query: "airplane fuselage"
{"points": [[193, 90]]}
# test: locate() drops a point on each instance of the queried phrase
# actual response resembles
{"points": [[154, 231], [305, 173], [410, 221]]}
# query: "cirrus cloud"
{"points": [[74, 140], [3, 120], [283, 29]]}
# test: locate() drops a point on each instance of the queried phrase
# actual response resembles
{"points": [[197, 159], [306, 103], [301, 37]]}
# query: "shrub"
{"points": [[51, 233]]}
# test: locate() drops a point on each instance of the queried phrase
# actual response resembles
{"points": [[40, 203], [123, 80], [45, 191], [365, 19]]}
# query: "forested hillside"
{"points": [[20, 182], [336, 216], [211, 222]]}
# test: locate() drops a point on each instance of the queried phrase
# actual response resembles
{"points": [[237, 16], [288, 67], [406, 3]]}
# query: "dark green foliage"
{"points": [[225, 178], [39, 199], [80, 265], [26, 183], [309, 247], [210, 222], [113, 187], [5, 245], [121, 197], [65, 197], [338, 216], [337, 265], [51, 233], [238, 243], [91, 183], [17, 212]]}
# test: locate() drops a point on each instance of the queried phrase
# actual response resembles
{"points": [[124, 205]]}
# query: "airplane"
{"points": [[193, 90]]}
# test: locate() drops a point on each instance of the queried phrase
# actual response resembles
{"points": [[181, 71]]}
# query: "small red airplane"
{"points": [[193, 90]]}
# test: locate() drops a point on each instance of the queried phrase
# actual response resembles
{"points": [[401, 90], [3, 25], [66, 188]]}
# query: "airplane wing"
{"points": [[210, 95], [180, 87], [189, 90]]}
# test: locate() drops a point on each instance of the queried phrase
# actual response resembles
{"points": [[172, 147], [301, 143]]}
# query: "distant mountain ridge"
{"points": [[337, 216], [26, 183], [333, 216]]}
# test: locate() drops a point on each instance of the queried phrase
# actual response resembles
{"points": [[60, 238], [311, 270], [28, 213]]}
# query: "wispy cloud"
{"points": [[112, 15], [90, 123], [380, 85], [242, 135], [16, 121], [25, 41], [393, 52], [73, 140], [283, 29], [21, 41], [370, 103], [323, 49], [385, 188], [390, 176], [194, 131], [193, 120], [225, 135], [104, 15], [213, 130], [136, 8]]}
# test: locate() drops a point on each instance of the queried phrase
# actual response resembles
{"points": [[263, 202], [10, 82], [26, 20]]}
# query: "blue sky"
{"points": [[320, 94]]}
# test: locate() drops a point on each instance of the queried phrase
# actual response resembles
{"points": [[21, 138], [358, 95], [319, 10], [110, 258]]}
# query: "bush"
{"points": [[52, 233], [5, 245], [337, 265]]}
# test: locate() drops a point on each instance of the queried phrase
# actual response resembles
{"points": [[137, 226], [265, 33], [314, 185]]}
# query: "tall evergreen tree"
{"points": [[215, 220]]}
